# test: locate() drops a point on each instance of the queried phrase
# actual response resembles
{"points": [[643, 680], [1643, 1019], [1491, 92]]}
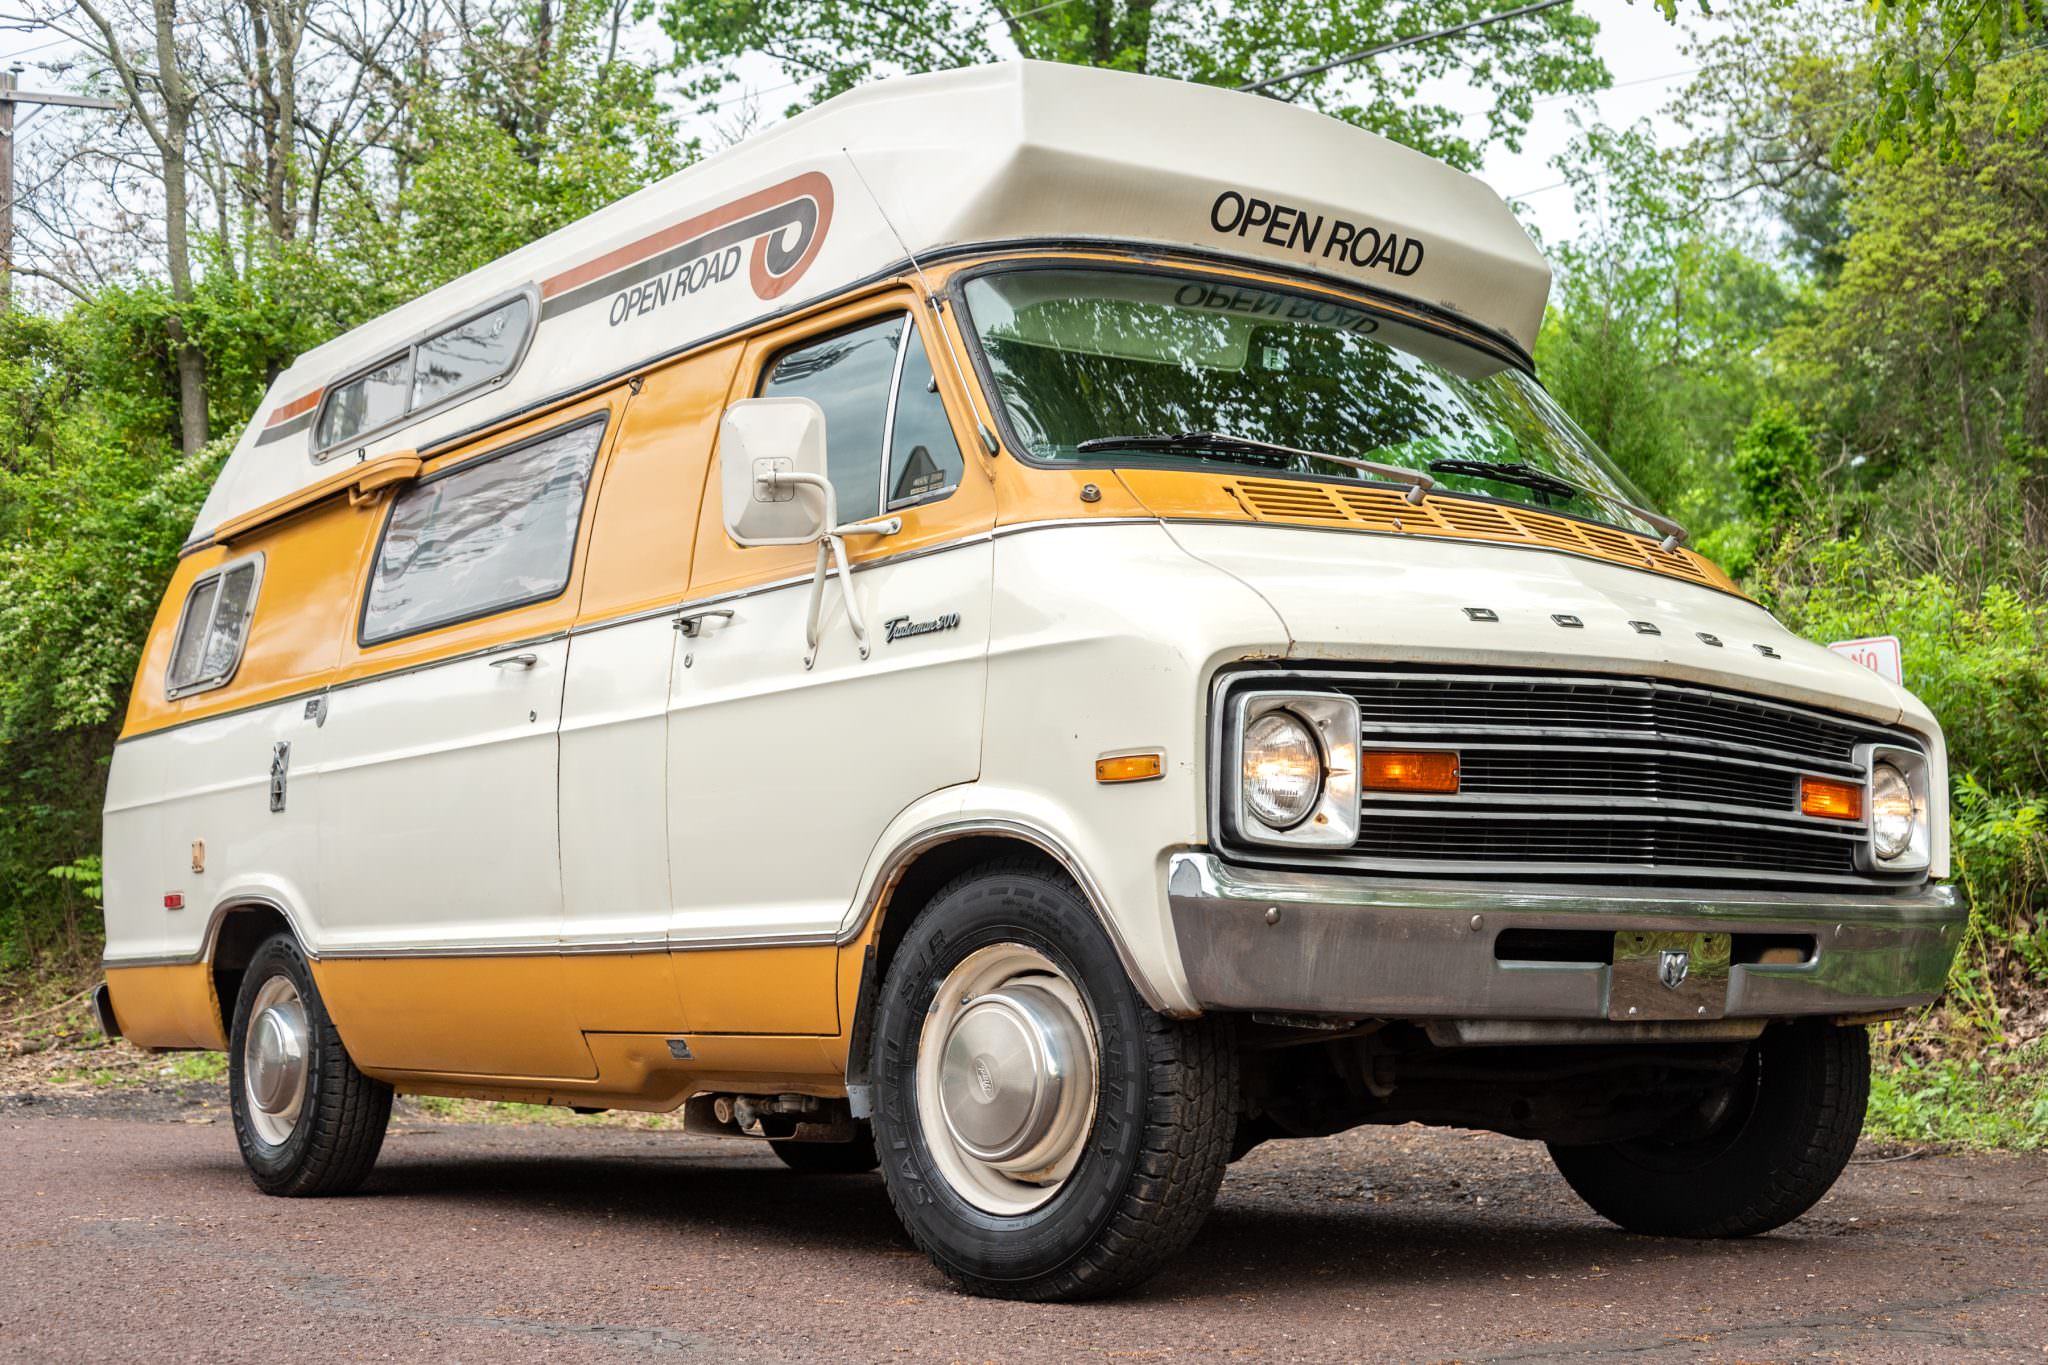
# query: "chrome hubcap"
{"points": [[274, 1061], [1006, 1078]]}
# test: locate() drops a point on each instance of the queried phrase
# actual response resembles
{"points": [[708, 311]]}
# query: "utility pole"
{"points": [[12, 94]]}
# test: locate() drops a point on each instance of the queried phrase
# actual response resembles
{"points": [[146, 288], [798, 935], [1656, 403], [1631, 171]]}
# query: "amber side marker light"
{"points": [[1129, 768], [1433, 773], [1830, 800]]}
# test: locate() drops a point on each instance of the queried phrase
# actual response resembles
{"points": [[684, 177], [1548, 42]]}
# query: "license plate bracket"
{"points": [[1664, 976]]}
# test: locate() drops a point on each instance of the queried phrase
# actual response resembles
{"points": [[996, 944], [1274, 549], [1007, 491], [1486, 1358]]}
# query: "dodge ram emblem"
{"points": [[1672, 965]]}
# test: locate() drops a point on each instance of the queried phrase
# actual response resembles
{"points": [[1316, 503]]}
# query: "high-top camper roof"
{"points": [[1017, 153]]}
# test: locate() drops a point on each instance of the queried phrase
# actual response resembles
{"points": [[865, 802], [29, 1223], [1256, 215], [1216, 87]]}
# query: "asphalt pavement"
{"points": [[130, 1233]]}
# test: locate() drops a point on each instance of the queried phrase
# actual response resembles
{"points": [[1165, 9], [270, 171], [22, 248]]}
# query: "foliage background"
{"points": [[1815, 327]]}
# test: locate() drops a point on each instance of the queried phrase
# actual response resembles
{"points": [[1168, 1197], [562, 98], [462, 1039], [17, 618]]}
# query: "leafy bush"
{"points": [[1969, 1101], [90, 535], [1979, 661]]}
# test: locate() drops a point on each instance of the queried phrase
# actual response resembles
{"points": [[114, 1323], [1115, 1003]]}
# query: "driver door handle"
{"points": [[691, 622], [516, 661]]}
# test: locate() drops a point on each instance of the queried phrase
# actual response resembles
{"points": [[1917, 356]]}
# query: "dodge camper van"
{"points": [[1031, 628]]}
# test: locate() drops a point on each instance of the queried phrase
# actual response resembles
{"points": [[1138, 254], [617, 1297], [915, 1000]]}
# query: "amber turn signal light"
{"points": [[1829, 799], [1433, 772], [1129, 768]]}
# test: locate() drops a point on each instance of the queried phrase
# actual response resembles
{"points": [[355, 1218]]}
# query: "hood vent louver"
{"points": [[1376, 509]]}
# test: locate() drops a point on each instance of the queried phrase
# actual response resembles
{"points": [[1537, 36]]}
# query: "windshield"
{"points": [[1083, 357]]}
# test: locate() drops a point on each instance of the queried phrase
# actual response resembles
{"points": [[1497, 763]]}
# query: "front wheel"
{"points": [[308, 1122], [1044, 1134], [1752, 1156]]}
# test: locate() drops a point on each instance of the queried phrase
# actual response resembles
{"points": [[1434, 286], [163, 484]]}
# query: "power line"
{"points": [[37, 48], [746, 95], [1467, 115], [1252, 87], [1038, 9]]}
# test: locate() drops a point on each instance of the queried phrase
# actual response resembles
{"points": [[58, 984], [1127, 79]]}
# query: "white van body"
{"points": [[650, 819]]}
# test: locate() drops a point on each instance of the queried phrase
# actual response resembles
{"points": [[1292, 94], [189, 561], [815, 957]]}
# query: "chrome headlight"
{"points": [[1283, 770], [1297, 768], [1900, 839], [1891, 812]]}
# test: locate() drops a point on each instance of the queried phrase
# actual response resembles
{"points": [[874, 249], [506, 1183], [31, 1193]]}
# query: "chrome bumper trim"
{"points": [[1360, 945]]}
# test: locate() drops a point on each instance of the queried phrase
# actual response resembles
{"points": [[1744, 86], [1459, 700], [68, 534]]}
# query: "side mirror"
{"points": [[771, 460]]}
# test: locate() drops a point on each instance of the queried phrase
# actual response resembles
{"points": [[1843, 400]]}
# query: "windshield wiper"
{"points": [[1514, 472], [1223, 443], [1528, 476]]}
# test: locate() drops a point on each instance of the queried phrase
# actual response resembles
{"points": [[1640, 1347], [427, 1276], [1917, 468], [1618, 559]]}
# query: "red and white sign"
{"points": [[1879, 654]]}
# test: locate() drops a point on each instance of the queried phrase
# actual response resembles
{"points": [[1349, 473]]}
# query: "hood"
{"points": [[1412, 599]]}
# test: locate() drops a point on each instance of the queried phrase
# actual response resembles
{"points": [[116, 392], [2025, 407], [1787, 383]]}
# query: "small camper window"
{"points": [[372, 399], [213, 629], [432, 371], [488, 535], [468, 354]]}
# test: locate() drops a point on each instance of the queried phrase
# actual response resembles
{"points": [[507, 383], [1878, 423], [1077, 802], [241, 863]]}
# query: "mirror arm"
{"points": [[833, 543], [814, 616]]}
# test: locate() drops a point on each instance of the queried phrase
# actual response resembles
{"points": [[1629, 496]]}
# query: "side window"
{"points": [[466, 355], [853, 375], [848, 375], [924, 459], [213, 628], [450, 362], [490, 534]]}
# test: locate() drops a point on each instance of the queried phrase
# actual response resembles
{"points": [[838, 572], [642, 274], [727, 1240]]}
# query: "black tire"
{"points": [[1761, 1153], [831, 1158], [1164, 1119], [341, 1121]]}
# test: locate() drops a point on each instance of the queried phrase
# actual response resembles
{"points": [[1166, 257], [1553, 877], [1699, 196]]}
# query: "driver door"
{"points": [[783, 775]]}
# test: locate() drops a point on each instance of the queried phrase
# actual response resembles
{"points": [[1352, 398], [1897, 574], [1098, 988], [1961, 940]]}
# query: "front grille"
{"points": [[1620, 843], [1415, 707], [1536, 772], [1576, 778]]}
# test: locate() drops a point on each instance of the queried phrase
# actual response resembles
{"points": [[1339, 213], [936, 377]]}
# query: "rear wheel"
{"points": [[1754, 1155], [1044, 1134], [307, 1121], [831, 1158]]}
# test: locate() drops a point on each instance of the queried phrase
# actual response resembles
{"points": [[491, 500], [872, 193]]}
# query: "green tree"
{"points": [[541, 120], [1775, 467], [828, 46], [1933, 343], [1661, 314], [1931, 55]]}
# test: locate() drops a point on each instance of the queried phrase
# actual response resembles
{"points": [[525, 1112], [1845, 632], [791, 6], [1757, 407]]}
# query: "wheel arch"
{"points": [[905, 887], [238, 927]]}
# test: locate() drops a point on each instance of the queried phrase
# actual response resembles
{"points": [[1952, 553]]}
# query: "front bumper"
{"points": [[1318, 943]]}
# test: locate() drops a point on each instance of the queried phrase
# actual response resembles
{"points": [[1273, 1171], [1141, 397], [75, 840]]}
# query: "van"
{"points": [[1035, 629]]}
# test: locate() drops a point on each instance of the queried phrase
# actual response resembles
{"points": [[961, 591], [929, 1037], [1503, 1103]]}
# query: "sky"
{"points": [[1642, 52], [1641, 49]]}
